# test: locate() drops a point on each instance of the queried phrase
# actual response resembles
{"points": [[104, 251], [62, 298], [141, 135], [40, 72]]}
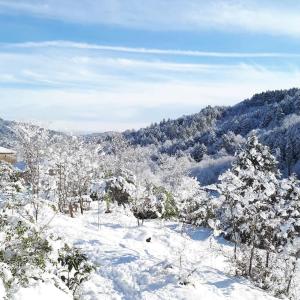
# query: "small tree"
{"points": [[33, 143]]}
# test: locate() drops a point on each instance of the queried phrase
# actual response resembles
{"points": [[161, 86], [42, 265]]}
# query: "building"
{"points": [[8, 155]]}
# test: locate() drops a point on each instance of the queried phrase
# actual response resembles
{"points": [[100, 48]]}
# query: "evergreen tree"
{"points": [[248, 192]]}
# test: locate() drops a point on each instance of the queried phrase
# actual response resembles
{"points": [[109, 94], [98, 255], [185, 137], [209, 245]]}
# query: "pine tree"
{"points": [[248, 192]]}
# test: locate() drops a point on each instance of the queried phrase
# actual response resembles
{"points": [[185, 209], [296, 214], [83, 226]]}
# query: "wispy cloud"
{"points": [[96, 86], [153, 51], [265, 16], [109, 88], [63, 83], [106, 70]]}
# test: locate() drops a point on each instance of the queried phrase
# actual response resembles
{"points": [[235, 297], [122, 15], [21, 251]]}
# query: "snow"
{"points": [[2, 289], [40, 291], [130, 268]]}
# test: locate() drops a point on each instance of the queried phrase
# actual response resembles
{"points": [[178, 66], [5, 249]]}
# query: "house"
{"points": [[8, 155]]}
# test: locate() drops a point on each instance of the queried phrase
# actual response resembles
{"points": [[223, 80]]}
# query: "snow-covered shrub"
{"points": [[276, 278], [120, 189], [11, 185], [167, 202], [193, 203], [146, 208], [25, 254], [28, 255], [75, 268], [199, 211]]}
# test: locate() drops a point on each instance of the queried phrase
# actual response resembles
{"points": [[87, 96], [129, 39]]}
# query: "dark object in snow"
{"points": [[148, 240], [108, 211], [184, 282]]}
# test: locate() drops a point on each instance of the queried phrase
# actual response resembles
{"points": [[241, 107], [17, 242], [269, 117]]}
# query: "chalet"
{"points": [[8, 155]]}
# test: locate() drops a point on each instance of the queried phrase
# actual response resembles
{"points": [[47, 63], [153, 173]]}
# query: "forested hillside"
{"points": [[218, 132], [212, 136]]}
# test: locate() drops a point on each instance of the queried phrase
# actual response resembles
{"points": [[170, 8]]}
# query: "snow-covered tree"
{"points": [[261, 216], [287, 238], [12, 186], [74, 166], [33, 145], [248, 193], [193, 203]]}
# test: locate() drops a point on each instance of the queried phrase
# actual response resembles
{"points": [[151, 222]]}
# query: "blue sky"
{"points": [[98, 65]]}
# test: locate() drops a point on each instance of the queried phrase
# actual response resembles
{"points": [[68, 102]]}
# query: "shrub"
{"points": [[75, 267], [27, 256]]}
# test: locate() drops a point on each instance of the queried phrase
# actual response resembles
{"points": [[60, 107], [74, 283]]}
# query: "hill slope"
{"points": [[131, 268], [219, 131]]}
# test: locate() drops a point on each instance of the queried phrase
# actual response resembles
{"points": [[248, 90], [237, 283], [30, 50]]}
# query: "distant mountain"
{"points": [[214, 134], [8, 137], [99, 137], [219, 131]]}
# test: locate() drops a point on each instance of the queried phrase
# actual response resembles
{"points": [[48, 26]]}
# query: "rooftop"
{"points": [[6, 151]]}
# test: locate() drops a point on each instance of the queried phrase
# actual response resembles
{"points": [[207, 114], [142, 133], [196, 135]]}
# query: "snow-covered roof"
{"points": [[6, 151]]}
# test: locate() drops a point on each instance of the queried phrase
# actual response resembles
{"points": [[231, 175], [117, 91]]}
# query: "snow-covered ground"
{"points": [[129, 267]]}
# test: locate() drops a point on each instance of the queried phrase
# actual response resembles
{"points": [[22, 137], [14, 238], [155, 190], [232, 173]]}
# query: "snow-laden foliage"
{"points": [[121, 188], [260, 214], [28, 255], [74, 267], [11, 185], [147, 208]]}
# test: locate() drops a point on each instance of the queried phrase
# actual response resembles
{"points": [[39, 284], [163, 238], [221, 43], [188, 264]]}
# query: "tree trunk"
{"points": [[291, 277], [81, 205], [251, 261], [235, 249], [36, 215], [98, 214], [289, 169], [267, 259], [71, 210]]}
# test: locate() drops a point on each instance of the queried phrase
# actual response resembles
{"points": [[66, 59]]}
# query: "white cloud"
{"points": [[265, 16], [80, 127], [123, 108], [154, 51], [106, 91], [104, 70]]}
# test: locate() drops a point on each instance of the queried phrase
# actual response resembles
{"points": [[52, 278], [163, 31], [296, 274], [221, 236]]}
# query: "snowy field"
{"points": [[175, 264]]}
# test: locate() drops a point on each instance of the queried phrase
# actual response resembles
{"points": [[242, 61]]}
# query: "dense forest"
{"points": [[218, 132]]}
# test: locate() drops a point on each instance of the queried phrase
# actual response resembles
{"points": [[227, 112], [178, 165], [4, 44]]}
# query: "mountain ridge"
{"points": [[219, 131]]}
